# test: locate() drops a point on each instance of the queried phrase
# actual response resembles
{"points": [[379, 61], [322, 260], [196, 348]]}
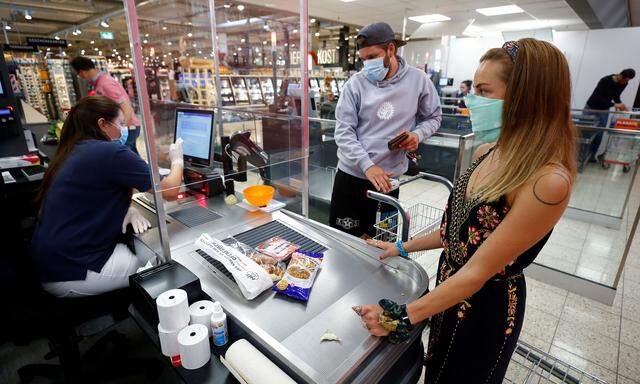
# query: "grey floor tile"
{"points": [[580, 363], [626, 380], [631, 309], [583, 342], [630, 332], [539, 324], [597, 320], [545, 299], [629, 361]]}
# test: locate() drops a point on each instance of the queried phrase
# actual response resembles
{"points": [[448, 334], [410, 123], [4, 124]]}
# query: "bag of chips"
{"points": [[300, 275]]}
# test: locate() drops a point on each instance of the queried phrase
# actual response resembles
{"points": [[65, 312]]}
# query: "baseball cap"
{"points": [[376, 34]]}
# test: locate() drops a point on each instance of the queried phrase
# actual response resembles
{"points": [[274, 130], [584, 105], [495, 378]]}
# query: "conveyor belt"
{"points": [[194, 216], [258, 235]]}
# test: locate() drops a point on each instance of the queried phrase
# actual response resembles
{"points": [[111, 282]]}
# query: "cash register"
{"points": [[196, 128]]}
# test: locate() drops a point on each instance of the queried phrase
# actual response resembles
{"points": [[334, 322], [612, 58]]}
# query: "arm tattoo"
{"points": [[566, 179]]}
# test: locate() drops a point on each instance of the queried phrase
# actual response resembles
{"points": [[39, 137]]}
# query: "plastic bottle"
{"points": [[219, 326]]}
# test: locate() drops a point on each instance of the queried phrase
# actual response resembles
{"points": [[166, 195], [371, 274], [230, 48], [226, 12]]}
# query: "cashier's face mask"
{"points": [[124, 133], [486, 117]]}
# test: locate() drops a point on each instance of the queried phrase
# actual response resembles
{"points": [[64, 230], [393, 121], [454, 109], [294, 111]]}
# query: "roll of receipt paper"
{"points": [[173, 309], [253, 366]]}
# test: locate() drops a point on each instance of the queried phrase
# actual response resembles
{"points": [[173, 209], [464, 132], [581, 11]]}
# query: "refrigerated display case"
{"points": [[240, 92], [226, 92], [63, 87], [255, 93], [267, 89], [340, 85]]}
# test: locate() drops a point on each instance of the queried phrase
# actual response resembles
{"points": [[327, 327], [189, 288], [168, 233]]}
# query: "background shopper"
{"points": [[498, 218], [465, 88], [105, 85], [604, 96], [86, 203], [387, 97]]}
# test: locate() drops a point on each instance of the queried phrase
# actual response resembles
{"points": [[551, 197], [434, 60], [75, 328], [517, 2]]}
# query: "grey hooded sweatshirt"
{"points": [[369, 114]]}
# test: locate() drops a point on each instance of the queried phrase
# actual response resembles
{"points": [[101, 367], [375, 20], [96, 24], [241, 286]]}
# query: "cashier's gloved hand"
{"points": [[176, 154], [137, 221], [370, 315], [390, 249]]}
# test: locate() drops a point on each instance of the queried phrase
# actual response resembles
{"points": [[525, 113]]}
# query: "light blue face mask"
{"points": [[375, 70], [124, 134], [486, 117]]}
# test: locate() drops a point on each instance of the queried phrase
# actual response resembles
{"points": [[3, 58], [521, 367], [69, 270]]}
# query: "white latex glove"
{"points": [[176, 153], [137, 221]]}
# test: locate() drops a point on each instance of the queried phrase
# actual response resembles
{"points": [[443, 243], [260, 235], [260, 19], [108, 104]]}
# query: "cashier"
{"points": [[85, 202], [386, 98], [498, 218]]}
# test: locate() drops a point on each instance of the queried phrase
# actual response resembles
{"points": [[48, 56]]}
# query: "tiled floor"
{"points": [[603, 341]]}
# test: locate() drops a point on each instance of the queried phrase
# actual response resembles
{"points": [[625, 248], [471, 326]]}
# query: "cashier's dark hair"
{"points": [[81, 124]]}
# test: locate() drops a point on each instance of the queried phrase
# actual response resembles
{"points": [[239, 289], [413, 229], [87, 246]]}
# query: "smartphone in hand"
{"points": [[394, 143]]}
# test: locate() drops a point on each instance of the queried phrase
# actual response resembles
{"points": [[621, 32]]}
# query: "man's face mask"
{"points": [[376, 69]]}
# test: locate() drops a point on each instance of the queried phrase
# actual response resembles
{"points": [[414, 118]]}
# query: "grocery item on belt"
{"points": [[274, 268], [300, 275], [252, 279], [278, 248]]}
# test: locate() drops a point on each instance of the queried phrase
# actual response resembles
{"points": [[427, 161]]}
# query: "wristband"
{"points": [[403, 252]]}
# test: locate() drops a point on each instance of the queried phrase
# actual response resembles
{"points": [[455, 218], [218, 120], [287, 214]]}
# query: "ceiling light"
{"points": [[145, 41], [78, 31], [227, 6], [92, 42], [317, 34], [7, 27], [146, 35], [194, 45], [96, 49], [199, 52], [27, 15], [56, 37], [164, 27], [82, 52], [295, 31], [503, 10], [169, 43], [241, 7], [348, 1], [423, 19], [189, 34], [312, 21], [104, 23], [69, 45], [99, 53], [243, 40], [48, 49], [264, 42]]}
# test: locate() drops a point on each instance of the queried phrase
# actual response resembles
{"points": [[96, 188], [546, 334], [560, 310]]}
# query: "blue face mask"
{"points": [[486, 117], [375, 70], [124, 134]]}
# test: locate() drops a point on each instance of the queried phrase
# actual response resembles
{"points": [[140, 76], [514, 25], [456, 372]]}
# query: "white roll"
{"points": [[193, 343], [253, 366], [173, 309], [200, 313], [168, 341]]}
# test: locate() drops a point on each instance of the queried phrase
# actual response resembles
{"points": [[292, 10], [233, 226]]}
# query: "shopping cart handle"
{"points": [[402, 213], [430, 177]]}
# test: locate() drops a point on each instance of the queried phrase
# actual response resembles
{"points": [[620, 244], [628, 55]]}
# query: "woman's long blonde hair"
{"points": [[536, 117]]}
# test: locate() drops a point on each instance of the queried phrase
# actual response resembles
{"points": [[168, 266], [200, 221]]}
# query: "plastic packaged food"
{"points": [[278, 248], [300, 275], [274, 268]]}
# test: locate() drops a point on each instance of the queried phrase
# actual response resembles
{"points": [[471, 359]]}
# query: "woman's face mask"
{"points": [[486, 117]]}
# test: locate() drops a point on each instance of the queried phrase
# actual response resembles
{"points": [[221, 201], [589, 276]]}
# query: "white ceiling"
{"points": [[538, 13]]}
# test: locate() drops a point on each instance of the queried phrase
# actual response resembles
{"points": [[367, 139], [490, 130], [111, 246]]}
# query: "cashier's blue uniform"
{"points": [[82, 214]]}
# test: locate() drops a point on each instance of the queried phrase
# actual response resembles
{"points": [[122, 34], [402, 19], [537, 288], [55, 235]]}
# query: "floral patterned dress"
{"points": [[473, 341]]}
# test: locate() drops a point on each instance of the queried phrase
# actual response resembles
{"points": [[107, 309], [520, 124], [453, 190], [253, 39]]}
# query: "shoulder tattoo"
{"points": [[546, 201]]}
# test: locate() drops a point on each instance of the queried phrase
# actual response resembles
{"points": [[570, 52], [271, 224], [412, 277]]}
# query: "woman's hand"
{"points": [[390, 249], [370, 315]]}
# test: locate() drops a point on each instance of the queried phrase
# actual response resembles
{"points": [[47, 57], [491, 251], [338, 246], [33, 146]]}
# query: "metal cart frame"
{"points": [[530, 364]]}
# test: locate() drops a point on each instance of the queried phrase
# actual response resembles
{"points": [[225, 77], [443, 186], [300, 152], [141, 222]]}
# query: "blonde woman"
{"points": [[499, 216]]}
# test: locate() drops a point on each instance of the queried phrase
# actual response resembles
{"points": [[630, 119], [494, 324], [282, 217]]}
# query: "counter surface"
{"points": [[291, 330]]}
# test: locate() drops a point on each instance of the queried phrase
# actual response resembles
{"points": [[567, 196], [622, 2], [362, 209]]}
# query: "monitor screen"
{"points": [[444, 81], [196, 129]]}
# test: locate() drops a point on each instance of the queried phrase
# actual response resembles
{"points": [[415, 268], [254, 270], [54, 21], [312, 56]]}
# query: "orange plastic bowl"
{"points": [[259, 195]]}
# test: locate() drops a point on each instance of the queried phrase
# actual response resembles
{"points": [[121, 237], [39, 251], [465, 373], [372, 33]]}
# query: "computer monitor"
{"points": [[197, 130], [444, 81]]}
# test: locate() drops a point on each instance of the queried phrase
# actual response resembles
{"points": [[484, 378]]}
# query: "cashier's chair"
{"points": [[62, 320]]}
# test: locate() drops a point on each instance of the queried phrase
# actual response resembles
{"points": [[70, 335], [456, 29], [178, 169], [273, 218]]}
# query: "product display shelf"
{"points": [[201, 82], [63, 87], [28, 71]]}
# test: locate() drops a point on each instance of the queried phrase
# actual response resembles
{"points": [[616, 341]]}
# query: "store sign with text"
{"points": [[44, 42], [20, 48], [328, 56]]}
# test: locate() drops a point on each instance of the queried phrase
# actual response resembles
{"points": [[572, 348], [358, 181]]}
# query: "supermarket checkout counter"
{"points": [[289, 331]]}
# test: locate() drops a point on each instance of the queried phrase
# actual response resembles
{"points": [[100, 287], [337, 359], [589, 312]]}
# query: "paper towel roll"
{"points": [[200, 313], [173, 309], [168, 341], [253, 366], [193, 343]]}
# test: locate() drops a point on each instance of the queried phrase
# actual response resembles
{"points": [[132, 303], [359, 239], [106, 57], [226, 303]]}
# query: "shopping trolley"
{"points": [[529, 365], [623, 149]]}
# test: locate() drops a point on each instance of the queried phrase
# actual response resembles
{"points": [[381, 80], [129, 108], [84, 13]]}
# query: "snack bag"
{"points": [[300, 275], [278, 248]]}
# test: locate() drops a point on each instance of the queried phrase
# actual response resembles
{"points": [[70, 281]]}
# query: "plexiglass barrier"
{"points": [[237, 131]]}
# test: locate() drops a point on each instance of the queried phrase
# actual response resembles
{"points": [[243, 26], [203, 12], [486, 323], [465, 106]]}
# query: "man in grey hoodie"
{"points": [[386, 98]]}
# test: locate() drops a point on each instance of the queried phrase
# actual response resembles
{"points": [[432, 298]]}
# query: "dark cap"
{"points": [[628, 73], [377, 34]]}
